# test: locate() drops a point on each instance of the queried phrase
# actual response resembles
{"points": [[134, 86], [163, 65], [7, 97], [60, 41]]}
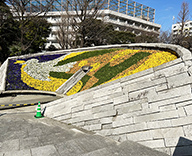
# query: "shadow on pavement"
{"points": [[184, 147]]}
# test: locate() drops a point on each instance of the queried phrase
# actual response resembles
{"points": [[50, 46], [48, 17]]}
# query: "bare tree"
{"points": [[82, 13], [64, 34], [165, 37], [25, 11], [183, 17]]}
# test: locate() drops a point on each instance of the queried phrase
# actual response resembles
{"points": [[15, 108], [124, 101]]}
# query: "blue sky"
{"points": [[165, 10]]}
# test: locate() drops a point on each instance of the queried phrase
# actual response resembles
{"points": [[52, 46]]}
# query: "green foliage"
{"points": [[97, 33], [23, 36], [146, 38], [8, 31], [38, 30], [51, 48], [122, 37], [85, 79], [108, 72], [85, 56]]}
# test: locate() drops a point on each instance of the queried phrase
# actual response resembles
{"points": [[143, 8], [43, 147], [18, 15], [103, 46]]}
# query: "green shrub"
{"points": [[85, 56], [107, 72]]}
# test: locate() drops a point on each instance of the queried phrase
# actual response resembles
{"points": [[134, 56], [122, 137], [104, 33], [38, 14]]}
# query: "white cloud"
{"points": [[169, 8]]}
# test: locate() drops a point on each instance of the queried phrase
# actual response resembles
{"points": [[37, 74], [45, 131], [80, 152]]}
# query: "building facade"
{"points": [[124, 15], [187, 29]]}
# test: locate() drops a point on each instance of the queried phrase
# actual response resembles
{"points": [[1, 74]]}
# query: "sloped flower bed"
{"points": [[50, 72]]}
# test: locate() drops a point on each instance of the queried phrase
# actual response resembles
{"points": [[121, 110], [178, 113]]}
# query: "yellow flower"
{"points": [[75, 88], [154, 60], [73, 54], [123, 53], [19, 62], [51, 85], [95, 66], [82, 63]]}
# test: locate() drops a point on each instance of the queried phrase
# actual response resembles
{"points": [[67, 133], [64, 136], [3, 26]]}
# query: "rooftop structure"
{"points": [[125, 15], [127, 7]]}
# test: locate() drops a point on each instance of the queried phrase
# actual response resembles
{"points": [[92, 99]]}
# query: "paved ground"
{"points": [[23, 135], [20, 99]]}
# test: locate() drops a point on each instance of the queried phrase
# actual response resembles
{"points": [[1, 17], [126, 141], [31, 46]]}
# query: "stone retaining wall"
{"points": [[3, 71], [152, 107]]}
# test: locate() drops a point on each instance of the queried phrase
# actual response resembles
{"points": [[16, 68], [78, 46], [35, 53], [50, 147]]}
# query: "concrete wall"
{"points": [[152, 107], [3, 71]]}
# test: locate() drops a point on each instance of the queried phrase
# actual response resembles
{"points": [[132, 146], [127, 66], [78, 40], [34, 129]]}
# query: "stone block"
{"points": [[167, 107], [182, 121], [107, 126], [188, 63], [183, 104], [130, 129], [92, 122], [188, 110], [167, 132], [117, 94], [77, 108], [106, 120], [79, 124], [142, 112], [188, 130], [140, 79], [102, 108], [122, 138], [153, 143], [178, 100], [159, 124], [63, 117], [121, 99], [181, 112], [131, 103], [99, 103], [105, 132], [179, 80], [156, 116], [144, 93], [81, 113], [93, 127], [138, 76], [172, 142], [81, 118], [121, 121], [146, 84], [168, 64], [140, 136], [171, 93], [105, 114], [170, 70], [130, 108], [115, 88], [161, 87]]}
